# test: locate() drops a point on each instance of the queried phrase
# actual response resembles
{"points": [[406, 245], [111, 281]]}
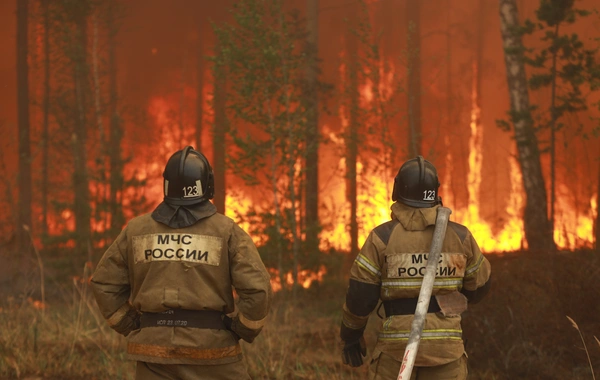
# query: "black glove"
{"points": [[227, 321], [353, 352], [129, 322]]}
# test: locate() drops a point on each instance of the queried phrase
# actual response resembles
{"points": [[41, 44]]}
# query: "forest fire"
{"points": [[305, 110], [167, 107], [573, 230]]}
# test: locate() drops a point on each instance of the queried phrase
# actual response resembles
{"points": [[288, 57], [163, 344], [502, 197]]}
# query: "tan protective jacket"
{"points": [[398, 268], [153, 268]]}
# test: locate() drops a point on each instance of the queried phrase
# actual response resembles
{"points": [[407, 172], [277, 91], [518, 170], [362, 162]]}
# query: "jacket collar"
{"points": [[413, 218], [182, 216]]}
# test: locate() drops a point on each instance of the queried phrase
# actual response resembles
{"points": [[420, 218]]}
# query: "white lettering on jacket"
{"points": [[192, 248], [406, 265]]}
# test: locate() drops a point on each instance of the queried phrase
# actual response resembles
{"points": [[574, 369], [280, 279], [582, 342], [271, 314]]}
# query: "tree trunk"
{"points": [[200, 67], [414, 78], [116, 133], [538, 232], [597, 227], [24, 215], [79, 140], [312, 133], [101, 195], [553, 136], [219, 132], [476, 138], [352, 134], [46, 117]]}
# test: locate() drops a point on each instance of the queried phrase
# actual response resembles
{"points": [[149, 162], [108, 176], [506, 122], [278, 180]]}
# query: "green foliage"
{"points": [[563, 63], [262, 58]]}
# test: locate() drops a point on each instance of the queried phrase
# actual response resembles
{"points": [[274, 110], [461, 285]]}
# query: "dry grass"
{"points": [[67, 340], [518, 332]]}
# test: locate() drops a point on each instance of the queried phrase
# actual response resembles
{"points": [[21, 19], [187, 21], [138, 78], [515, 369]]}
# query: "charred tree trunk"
{"points": [[46, 118], [537, 226], [414, 78], [219, 132], [352, 133], [200, 68], [116, 180], [24, 215], [79, 139], [312, 134]]}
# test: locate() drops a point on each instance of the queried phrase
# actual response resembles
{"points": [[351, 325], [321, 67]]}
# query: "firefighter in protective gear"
{"points": [[390, 267], [166, 282]]}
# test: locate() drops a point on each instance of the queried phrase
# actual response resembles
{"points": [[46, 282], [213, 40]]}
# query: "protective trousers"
{"points": [[386, 367], [229, 371]]}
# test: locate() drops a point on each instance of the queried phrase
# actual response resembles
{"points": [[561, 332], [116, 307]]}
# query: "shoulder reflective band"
{"points": [[367, 264], [474, 267]]}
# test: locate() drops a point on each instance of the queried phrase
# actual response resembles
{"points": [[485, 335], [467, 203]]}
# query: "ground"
{"points": [[520, 331]]}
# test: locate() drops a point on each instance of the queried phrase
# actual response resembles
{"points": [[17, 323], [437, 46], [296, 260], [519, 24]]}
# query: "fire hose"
{"points": [[412, 347]]}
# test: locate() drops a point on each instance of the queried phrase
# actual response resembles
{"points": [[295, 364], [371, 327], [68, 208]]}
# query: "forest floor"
{"points": [[520, 331]]}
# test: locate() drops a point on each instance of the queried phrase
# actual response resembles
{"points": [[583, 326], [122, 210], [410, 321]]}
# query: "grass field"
{"points": [[520, 331]]}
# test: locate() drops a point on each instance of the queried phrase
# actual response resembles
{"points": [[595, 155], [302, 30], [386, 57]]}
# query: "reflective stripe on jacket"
{"points": [[393, 260]]}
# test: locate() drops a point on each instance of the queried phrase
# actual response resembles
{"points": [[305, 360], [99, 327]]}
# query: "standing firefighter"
{"points": [[391, 266], [166, 282]]}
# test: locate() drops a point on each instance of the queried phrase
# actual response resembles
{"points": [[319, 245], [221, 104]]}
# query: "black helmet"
{"points": [[416, 184], [188, 178]]}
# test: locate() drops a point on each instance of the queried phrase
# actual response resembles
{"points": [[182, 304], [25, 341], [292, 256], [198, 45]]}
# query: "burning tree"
{"points": [[265, 66], [369, 97], [537, 227], [567, 68], [76, 122]]}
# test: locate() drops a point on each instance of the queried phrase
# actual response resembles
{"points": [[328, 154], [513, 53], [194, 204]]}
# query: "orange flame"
{"points": [[305, 278], [572, 229]]}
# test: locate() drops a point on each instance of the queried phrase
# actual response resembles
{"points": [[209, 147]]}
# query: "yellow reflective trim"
{"points": [[475, 267], [416, 283], [364, 263], [426, 331], [368, 261], [352, 326], [353, 321], [402, 335]]}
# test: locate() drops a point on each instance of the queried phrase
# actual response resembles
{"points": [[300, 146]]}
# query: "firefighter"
{"points": [[390, 267], [166, 282]]}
